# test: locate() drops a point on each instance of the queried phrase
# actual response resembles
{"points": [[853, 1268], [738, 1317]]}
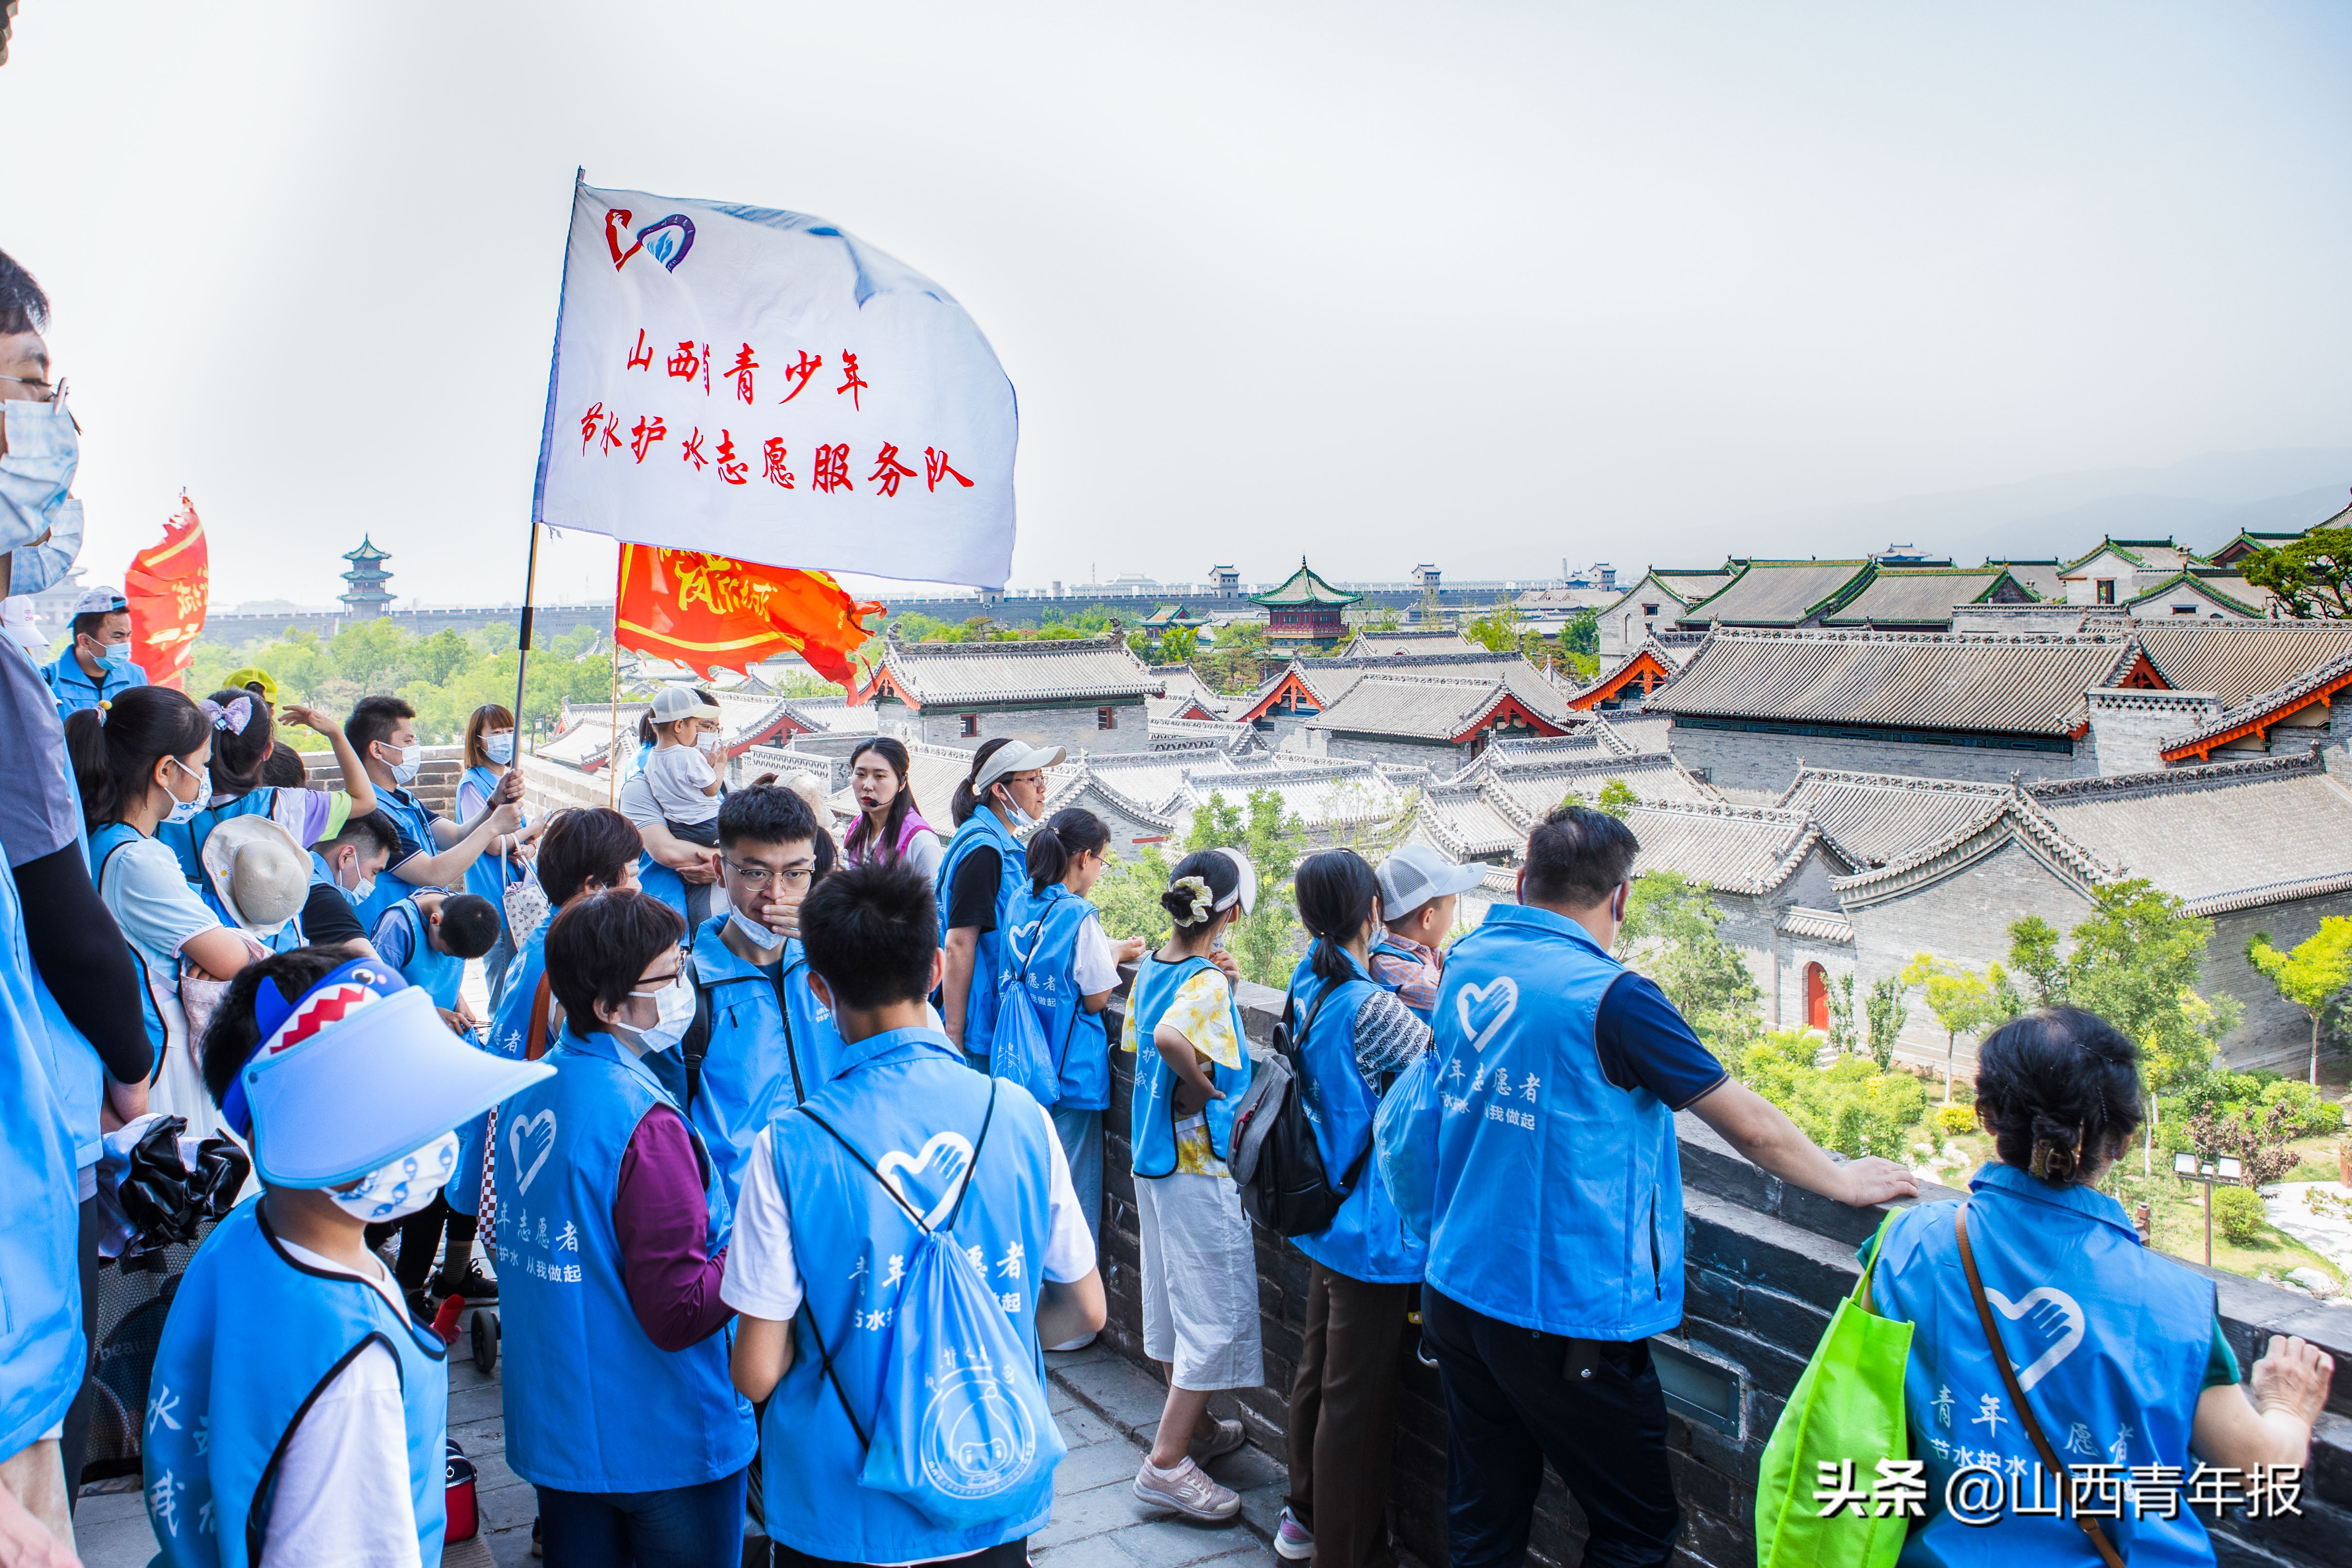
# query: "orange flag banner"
{"points": [[709, 612], [168, 586]]}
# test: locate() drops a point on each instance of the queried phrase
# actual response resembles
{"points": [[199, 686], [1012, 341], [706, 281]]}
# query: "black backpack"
{"points": [[1273, 1157]]}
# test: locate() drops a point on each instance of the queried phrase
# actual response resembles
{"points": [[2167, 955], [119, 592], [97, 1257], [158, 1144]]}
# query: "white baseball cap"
{"points": [[1014, 757], [1414, 874], [672, 703], [260, 875], [100, 601]]}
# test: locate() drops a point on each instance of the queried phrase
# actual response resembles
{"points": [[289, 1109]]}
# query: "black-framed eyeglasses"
{"points": [[757, 877]]}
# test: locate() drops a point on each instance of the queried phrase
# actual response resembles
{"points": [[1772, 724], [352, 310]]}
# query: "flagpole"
{"points": [[612, 745], [522, 644]]}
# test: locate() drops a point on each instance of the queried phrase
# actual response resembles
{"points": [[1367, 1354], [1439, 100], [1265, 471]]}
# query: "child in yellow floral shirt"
{"points": [[1200, 1275]]}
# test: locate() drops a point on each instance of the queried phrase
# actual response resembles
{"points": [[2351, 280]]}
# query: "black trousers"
{"points": [[1514, 1398]]}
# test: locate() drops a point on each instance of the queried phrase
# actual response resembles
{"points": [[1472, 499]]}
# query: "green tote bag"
{"points": [[1847, 1409]]}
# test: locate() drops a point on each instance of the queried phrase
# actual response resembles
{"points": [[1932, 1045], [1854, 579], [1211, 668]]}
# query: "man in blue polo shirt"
{"points": [[1556, 1243], [95, 666]]}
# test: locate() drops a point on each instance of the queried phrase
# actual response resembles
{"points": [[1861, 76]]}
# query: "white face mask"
{"points": [[36, 472], [709, 744], [767, 938], [674, 1004], [405, 1186], [412, 757], [184, 810], [359, 892], [499, 747]]}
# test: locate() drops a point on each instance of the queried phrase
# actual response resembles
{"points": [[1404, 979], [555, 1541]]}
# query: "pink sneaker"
{"points": [[1188, 1489]]}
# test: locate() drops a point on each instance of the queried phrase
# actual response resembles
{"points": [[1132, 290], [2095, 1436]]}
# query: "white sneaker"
{"points": [[1188, 1489], [1293, 1542]]}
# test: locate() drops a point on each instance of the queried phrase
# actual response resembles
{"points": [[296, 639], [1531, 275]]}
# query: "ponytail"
{"points": [[967, 799], [1336, 890], [1070, 833], [116, 745]]}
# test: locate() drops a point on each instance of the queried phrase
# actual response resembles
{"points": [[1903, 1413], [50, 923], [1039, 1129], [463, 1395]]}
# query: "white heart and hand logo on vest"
{"points": [[2053, 1320], [531, 1139], [1025, 937], [949, 1153], [1485, 1009]]}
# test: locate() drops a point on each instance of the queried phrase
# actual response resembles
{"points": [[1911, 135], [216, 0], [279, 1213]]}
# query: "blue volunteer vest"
{"points": [[153, 988], [75, 1073], [2113, 1375], [440, 974], [755, 1061], [252, 1338], [1560, 1195], [1395, 949], [187, 839], [1365, 1240], [594, 1406], [1042, 948], [492, 874], [41, 1349], [415, 820], [983, 827], [1151, 1126], [912, 1109], [509, 1029]]}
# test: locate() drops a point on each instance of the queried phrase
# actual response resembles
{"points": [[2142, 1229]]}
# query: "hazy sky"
{"points": [[1376, 282]]}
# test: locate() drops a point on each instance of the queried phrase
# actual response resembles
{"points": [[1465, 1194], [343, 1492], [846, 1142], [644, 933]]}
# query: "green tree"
{"points": [[1387, 618], [1617, 799], [1177, 644], [1670, 935], [1237, 659], [1885, 1012], [1964, 1002], [1500, 629], [1127, 897], [1851, 1106], [1844, 1032], [2135, 961], [1263, 943], [2312, 974], [1583, 633], [2311, 575]]}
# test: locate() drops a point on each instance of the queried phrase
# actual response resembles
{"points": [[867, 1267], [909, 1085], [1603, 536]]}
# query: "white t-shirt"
{"points": [[1095, 966], [342, 1487], [678, 775], [763, 1281]]}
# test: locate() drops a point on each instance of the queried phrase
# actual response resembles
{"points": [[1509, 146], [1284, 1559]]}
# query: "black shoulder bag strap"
{"points": [[792, 1048], [1298, 1053], [824, 1355]]}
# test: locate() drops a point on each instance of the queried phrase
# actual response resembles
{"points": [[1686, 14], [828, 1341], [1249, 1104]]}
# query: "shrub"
{"points": [[1850, 1106], [2311, 1114], [2238, 1213], [1952, 1121]]}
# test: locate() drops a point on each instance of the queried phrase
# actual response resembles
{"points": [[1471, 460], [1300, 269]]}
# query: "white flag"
{"points": [[762, 385]]}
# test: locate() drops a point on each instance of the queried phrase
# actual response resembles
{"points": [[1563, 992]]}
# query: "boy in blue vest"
{"points": [[296, 1413], [761, 1038], [819, 1238], [1555, 1247], [433, 851]]}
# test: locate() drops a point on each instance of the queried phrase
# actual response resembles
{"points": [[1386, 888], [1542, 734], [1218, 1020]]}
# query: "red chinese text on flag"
{"points": [[709, 613], [167, 587]]}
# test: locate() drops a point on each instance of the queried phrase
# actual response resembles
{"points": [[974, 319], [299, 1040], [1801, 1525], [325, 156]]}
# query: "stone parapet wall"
{"points": [[1766, 1266]]}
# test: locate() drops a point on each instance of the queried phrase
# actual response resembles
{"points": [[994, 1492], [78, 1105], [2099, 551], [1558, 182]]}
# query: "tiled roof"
{"points": [[1368, 644], [1916, 596], [2232, 593], [1636, 730], [1876, 820], [2222, 838], [832, 715], [1466, 822], [1420, 708], [1820, 925], [2041, 577], [2257, 713], [2239, 660], [1749, 849], [2017, 819], [1303, 587], [1323, 795], [1197, 731], [1179, 682], [2152, 555], [1779, 592], [1332, 678], [2016, 684], [1039, 669]]}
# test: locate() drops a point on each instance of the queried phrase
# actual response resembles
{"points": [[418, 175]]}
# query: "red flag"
{"points": [[709, 612], [168, 586]]}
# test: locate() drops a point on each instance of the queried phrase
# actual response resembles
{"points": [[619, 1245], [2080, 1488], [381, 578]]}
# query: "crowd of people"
{"points": [[783, 1153]]}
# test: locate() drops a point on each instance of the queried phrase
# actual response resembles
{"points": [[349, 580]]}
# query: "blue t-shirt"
{"points": [[1645, 1044]]}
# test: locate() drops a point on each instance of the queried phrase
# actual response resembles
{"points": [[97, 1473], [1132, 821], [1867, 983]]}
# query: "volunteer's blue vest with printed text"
{"points": [[756, 1062], [104, 842], [187, 839], [592, 1404], [509, 1029], [41, 1349], [983, 827], [1042, 948], [441, 976], [1560, 1195], [2109, 1341], [1151, 1126], [252, 1338], [1365, 1240], [911, 1108], [415, 820], [1396, 949], [493, 874]]}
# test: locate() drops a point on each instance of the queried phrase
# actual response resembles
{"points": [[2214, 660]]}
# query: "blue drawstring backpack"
{"points": [[1018, 1053], [1406, 1136], [962, 1431]]}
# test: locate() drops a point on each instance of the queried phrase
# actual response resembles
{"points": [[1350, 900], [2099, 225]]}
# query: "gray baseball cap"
{"points": [[1415, 874]]}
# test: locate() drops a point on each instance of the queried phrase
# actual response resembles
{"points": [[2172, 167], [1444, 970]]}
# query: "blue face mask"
{"points": [[412, 758], [499, 747], [36, 472], [118, 654]]}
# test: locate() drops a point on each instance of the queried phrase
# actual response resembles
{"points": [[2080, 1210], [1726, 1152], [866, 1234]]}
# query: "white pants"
{"points": [[1199, 1282]]}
